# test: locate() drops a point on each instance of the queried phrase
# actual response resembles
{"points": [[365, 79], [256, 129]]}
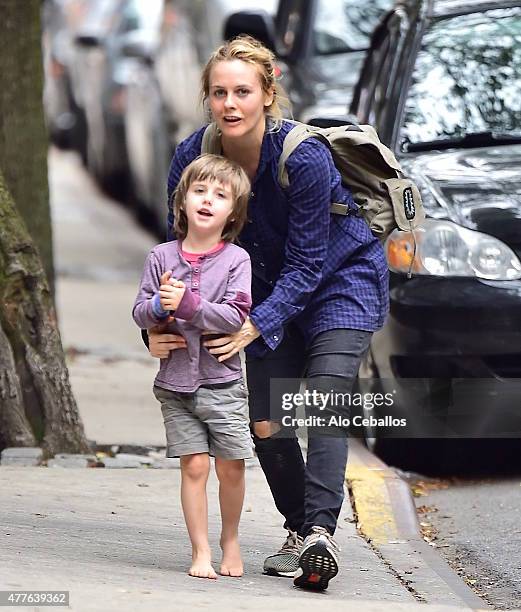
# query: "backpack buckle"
{"points": [[338, 208]]}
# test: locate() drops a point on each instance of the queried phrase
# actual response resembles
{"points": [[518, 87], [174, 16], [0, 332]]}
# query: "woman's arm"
{"points": [[160, 343], [226, 346], [309, 200]]}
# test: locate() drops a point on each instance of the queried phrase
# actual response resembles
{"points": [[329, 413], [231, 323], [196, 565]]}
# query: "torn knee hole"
{"points": [[265, 429]]}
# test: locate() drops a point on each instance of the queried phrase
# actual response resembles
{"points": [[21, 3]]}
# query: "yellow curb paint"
{"points": [[372, 503]]}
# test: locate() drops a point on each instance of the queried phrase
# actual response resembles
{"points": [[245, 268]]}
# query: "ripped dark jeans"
{"points": [[312, 493]]}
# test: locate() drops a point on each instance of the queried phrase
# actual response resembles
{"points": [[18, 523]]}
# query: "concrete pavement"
{"points": [[99, 257], [116, 538]]}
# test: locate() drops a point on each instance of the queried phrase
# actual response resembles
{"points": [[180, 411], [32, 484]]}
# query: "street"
{"points": [[474, 524]]}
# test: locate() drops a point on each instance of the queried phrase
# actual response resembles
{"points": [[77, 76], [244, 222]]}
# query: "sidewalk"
{"points": [[116, 538], [99, 256]]}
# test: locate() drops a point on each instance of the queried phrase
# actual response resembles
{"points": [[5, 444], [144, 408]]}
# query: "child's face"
{"points": [[208, 206]]}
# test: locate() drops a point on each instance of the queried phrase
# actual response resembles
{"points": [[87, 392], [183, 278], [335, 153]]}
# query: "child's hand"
{"points": [[166, 278], [171, 293]]}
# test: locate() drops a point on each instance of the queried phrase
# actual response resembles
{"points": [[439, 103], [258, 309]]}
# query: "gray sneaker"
{"points": [[318, 560], [285, 562]]}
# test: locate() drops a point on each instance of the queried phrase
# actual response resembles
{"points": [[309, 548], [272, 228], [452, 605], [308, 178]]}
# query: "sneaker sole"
{"points": [[271, 572], [318, 567]]}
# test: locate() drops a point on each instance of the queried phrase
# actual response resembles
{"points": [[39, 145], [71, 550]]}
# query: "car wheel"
{"points": [[419, 455]]}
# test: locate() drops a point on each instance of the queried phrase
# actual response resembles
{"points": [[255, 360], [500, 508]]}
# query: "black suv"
{"points": [[442, 85]]}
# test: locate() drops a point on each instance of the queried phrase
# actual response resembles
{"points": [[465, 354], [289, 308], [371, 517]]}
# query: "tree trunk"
{"points": [[23, 137], [36, 402]]}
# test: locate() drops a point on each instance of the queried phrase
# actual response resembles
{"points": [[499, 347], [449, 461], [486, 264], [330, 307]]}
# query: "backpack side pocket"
{"points": [[407, 206]]}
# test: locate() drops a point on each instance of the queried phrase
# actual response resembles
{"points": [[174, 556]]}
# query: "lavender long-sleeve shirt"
{"points": [[217, 299]]}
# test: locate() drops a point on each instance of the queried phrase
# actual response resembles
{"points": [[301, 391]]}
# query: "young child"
{"points": [[204, 280]]}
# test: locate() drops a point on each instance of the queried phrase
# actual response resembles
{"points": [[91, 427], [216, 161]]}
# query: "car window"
{"points": [[467, 78], [346, 25]]}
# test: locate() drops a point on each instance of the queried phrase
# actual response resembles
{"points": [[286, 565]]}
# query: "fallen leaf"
{"points": [[422, 487], [426, 509]]}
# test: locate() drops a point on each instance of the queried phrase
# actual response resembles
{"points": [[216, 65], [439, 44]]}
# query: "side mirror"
{"points": [[325, 122], [258, 24]]}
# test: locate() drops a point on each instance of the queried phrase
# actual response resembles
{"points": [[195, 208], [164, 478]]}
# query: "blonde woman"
{"points": [[319, 289]]}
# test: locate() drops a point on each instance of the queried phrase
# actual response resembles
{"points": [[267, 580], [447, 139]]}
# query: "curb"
{"points": [[387, 519]]}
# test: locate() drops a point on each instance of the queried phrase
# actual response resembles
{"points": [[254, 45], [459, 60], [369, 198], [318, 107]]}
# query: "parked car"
{"points": [[145, 131], [320, 47], [64, 117], [441, 83], [104, 71]]}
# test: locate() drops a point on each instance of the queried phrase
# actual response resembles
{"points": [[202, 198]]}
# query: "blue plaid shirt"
{"points": [[320, 270]]}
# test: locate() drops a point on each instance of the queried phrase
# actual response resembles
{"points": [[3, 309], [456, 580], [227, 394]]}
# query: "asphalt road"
{"points": [[474, 524]]}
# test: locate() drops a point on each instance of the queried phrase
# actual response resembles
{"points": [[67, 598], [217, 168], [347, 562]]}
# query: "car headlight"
{"points": [[444, 248]]}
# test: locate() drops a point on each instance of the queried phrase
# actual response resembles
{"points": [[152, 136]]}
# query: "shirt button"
{"points": [[196, 270], [275, 338], [196, 284], [262, 264]]}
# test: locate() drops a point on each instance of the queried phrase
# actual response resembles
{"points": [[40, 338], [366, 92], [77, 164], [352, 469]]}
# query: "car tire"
{"points": [[418, 455], [436, 456]]}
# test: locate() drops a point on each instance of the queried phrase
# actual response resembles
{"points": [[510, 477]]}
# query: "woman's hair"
{"points": [[214, 168], [251, 51]]}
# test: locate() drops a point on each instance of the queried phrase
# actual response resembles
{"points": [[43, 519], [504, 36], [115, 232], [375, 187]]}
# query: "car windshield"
{"points": [[346, 25], [467, 79]]}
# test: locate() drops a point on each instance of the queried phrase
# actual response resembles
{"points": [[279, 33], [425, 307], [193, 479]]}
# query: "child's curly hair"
{"points": [[214, 168]]}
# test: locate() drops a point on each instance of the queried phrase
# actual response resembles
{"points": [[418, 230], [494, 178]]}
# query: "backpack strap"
{"points": [[292, 140], [298, 134], [211, 142]]}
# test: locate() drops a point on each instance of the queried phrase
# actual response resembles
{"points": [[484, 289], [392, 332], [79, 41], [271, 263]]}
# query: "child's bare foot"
{"points": [[202, 565], [231, 564]]}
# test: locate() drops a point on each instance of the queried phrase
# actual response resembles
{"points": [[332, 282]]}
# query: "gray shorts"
{"points": [[212, 420]]}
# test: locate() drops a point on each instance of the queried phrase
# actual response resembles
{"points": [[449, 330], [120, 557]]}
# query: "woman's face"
{"points": [[236, 99]]}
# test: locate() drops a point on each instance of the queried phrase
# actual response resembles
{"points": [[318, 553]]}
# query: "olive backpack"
{"points": [[386, 199]]}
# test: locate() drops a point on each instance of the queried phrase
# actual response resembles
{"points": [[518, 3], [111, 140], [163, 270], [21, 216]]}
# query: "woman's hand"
{"points": [[226, 346], [160, 343]]}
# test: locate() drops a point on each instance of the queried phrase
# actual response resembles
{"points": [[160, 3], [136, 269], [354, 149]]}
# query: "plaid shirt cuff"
{"points": [[271, 331]]}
